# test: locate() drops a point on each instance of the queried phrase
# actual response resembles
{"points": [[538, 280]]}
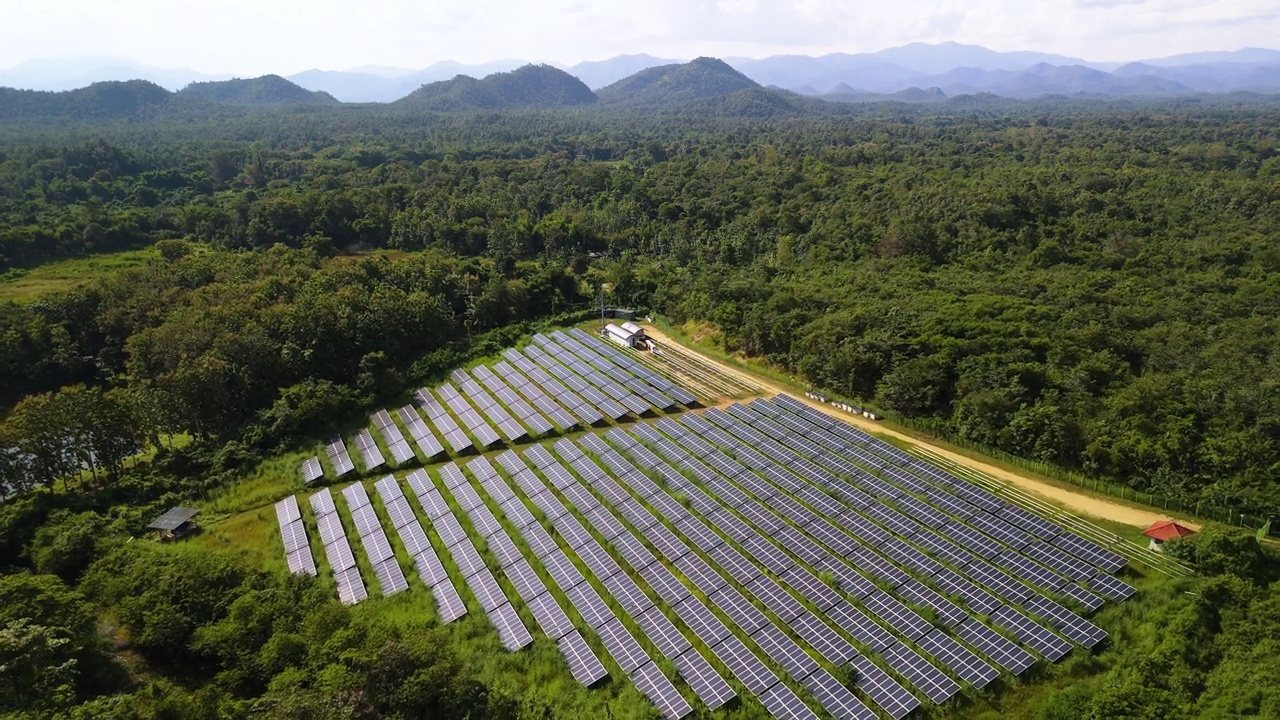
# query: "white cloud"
{"points": [[285, 36]]}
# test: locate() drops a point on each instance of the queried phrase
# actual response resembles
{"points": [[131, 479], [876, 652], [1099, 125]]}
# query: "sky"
{"points": [[253, 37]]}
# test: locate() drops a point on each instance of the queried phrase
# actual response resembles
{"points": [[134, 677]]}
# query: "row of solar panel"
{"points": [[297, 551], [771, 638], [1078, 629], [1069, 623], [337, 550]]}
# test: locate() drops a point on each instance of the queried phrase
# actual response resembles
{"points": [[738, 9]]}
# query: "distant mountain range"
{"points": [[795, 85]]}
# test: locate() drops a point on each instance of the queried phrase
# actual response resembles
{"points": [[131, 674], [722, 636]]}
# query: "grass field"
{"points": [[23, 286]]}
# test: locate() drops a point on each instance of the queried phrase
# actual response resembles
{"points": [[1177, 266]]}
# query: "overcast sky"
{"points": [[286, 36]]}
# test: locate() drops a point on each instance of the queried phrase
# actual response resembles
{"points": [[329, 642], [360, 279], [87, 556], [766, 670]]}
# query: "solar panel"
{"points": [[550, 616], [444, 423], [1031, 633], [331, 529], [823, 638], [322, 503], [338, 457], [701, 620], [959, 659], [783, 703], [370, 455], [633, 551], [1060, 561], [467, 558], [734, 563], [448, 603], [390, 577], [700, 574], [1112, 587], [662, 632], [883, 690], [710, 687], [947, 612], [785, 652], [350, 588], [664, 583], [523, 578], [511, 629], [835, 698], [1092, 552], [504, 549], [666, 542], [898, 616], [775, 598], [311, 470], [355, 496], [301, 562], [589, 605], [977, 599], [561, 569], [919, 672], [418, 430], [1000, 582], [1003, 651], [740, 611], [597, 560], [1068, 623], [650, 681], [862, 628], [484, 522], [486, 589], [294, 536], [399, 511], [430, 569], [621, 645], [814, 590], [627, 593], [745, 665], [585, 667]]}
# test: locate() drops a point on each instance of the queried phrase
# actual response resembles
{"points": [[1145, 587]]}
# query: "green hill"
{"points": [[265, 90], [531, 86], [677, 84], [99, 101]]}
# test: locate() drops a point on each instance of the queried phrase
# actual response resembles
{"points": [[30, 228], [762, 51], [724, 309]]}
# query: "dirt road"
{"points": [[1081, 503]]}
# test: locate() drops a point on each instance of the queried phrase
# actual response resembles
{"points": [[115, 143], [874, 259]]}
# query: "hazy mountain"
{"points": [[599, 73], [844, 93], [1045, 79], [930, 59], [532, 86], [265, 90], [1212, 77], [1252, 56], [380, 84], [72, 73], [863, 71], [676, 84]]}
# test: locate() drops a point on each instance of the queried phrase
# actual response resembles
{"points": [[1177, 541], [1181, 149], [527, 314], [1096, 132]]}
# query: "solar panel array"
{"points": [[311, 470], [376, 546], [480, 430], [370, 455], [789, 544], [297, 551], [497, 414], [399, 447], [336, 549], [421, 434], [445, 425], [338, 457]]}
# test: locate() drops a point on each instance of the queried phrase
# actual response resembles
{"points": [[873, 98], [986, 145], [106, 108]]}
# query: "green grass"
{"points": [[26, 285]]}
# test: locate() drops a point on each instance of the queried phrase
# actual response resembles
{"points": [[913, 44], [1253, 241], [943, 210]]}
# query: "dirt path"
{"points": [[1084, 504]]}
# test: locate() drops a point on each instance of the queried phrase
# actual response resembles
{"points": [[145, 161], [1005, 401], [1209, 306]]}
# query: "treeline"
{"points": [[259, 348], [1094, 287]]}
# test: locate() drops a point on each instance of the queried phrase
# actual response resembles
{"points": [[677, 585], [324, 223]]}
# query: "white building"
{"points": [[623, 336]]}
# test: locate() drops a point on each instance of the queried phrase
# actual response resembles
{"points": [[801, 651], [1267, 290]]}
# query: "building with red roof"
{"points": [[1165, 530]]}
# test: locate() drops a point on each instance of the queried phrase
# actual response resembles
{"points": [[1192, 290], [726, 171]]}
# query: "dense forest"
{"points": [[1093, 286]]}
